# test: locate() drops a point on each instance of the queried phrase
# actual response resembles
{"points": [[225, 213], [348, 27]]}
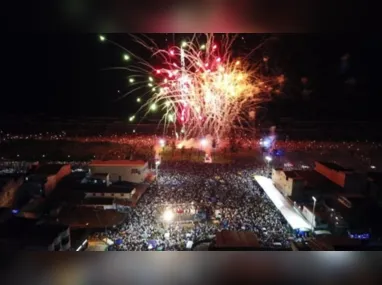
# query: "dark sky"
{"points": [[62, 74]]}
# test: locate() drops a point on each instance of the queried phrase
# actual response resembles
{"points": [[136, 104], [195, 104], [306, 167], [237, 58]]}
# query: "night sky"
{"points": [[59, 74]]}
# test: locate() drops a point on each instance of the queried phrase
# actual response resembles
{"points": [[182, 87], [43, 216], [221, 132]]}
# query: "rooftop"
{"points": [[63, 192], [334, 166], [98, 201], [103, 188], [292, 174], [339, 243], [230, 239], [117, 163], [81, 217], [29, 232], [301, 246], [363, 214], [100, 175], [376, 177], [316, 180], [5, 214], [48, 169], [72, 179]]}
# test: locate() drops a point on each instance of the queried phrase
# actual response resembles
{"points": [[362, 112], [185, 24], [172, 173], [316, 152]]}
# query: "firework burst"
{"points": [[200, 87]]}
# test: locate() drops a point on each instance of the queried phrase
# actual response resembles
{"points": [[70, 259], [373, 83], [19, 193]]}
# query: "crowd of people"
{"points": [[140, 146], [204, 199]]}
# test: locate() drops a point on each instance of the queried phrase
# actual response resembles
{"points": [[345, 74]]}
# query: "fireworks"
{"points": [[200, 87]]}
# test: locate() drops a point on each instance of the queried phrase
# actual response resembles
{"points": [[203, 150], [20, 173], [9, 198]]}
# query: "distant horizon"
{"points": [[126, 116]]}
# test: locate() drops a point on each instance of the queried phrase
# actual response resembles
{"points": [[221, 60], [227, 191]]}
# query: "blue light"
{"points": [[15, 212], [267, 143], [279, 153], [361, 236]]}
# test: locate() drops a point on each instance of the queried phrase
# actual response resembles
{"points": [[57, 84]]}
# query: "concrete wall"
{"points": [[126, 173], [110, 195], [308, 214], [287, 185]]}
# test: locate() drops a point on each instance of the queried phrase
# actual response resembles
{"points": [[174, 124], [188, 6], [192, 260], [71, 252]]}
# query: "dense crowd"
{"points": [[205, 198], [140, 146]]}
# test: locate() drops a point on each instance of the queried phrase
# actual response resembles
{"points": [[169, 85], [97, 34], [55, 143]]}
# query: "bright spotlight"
{"points": [[203, 142], [162, 142], [268, 158], [168, 216]]}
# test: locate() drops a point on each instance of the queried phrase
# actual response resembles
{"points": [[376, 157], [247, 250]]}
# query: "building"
{"points": [[100, 178], [27, 234], [116, 196], [346, 178], [336, 208], [337, 243], [6, 214], [375, 186], [355, 217], [232, 240], [296, 221], [317, 216], [122, 170], [300, 185], [328, 243], [289, 182], [119, 190], [99, 203], [49, 175]]}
